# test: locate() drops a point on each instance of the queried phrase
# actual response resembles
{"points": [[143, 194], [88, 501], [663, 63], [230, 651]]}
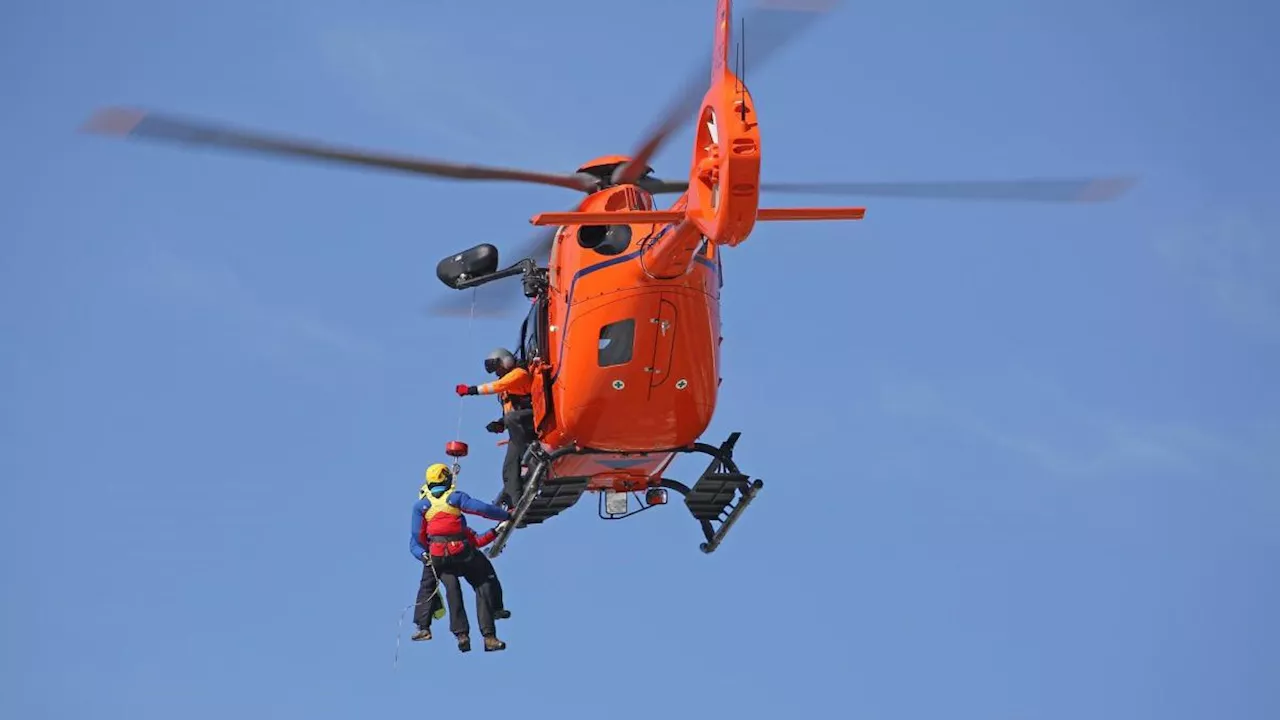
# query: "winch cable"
{"points": [[462, 401]]}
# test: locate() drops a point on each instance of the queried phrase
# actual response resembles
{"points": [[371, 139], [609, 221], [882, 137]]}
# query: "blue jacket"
{"points": [[458, 499]]}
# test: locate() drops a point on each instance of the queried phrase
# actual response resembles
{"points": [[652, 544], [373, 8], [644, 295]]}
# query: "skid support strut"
{"points": [[543, 497]]}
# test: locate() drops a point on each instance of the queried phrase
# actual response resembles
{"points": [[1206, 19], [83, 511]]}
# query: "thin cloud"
{"points": [[288, 335], [420, 78], [1094, 443], [376, 66], [1233, 260], [920, 402]]}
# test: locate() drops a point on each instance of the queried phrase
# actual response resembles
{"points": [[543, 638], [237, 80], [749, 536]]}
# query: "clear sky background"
{"points": [[1021, 461]]}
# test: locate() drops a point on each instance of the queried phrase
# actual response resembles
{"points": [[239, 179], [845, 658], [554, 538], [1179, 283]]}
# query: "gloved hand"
{"points": [[501, 526], [465, 389], [496, 427]]}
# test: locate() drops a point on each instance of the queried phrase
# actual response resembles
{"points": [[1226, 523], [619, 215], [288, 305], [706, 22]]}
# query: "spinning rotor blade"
{"points": [[497, 300], [1034, 190], [126, 122], [537, 247], [1067, 190], [772, 25]]}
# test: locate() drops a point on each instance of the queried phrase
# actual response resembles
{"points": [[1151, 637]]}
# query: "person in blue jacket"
{"points": [[449, 550]]}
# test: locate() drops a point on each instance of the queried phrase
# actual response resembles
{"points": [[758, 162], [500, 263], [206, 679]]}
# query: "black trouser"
{"points": [[520, 432], [428, 599], [495, 585], [472, 566]]}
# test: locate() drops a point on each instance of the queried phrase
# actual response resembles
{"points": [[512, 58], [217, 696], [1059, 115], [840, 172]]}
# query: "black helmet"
{"points": [[500, 362]]}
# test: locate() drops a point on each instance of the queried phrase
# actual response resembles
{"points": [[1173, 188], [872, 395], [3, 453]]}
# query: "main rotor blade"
{"points": [[128, 122], [1031, 189], [770, 26], [537, 247], [1067, 190]]}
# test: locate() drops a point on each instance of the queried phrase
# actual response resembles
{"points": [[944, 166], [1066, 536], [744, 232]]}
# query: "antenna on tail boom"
{"points": [[742, 69]]}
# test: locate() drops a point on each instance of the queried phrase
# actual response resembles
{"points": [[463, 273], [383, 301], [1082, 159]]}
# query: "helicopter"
{"points": [[622, 336]]}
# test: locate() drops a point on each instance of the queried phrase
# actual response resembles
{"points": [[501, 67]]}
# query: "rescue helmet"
{"points": [[439, 480], [500, 362]]}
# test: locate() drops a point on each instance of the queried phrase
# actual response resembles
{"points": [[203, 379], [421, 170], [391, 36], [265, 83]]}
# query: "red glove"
{"points": [[461, 390]]}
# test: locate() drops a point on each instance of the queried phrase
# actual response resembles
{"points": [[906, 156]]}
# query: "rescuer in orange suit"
{"points": [[440, 538], [513, 389]]}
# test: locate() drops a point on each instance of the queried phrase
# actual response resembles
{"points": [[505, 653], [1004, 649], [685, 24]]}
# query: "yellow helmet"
{"points": [[439, 481]]}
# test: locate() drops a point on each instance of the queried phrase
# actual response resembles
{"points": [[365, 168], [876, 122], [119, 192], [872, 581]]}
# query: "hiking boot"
{"points": [[422, 634], [464, 642], [492, 644]]}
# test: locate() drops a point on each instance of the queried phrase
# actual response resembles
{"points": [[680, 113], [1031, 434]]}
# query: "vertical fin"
{"points": [[724, 33]]}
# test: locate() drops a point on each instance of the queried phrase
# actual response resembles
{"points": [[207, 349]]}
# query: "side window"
{"points": [[531, 347], [706, 250], [553, 260], [617, 340], [531, 332]]}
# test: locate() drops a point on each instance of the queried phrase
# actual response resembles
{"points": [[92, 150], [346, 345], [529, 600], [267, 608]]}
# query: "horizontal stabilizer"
{"points": [[836, 213], [621, 217], [644, 217]]}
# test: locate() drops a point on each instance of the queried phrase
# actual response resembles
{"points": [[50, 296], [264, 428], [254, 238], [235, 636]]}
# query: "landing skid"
{"points": [[710, 500], [714, 493]]}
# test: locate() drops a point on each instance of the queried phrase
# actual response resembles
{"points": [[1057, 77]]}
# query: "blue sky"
{"points": [[1021, 461]]}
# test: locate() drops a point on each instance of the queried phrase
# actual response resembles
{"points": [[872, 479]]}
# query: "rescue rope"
{"points": [[395, 662], [462, 406]]}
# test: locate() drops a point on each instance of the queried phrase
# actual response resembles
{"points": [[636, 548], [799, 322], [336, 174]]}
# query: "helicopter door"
{"points": [[664, 328], [534, 337], [541, 395]]}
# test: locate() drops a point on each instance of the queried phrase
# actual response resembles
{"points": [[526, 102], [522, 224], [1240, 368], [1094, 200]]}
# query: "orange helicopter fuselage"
{"points": [[628, 354]]}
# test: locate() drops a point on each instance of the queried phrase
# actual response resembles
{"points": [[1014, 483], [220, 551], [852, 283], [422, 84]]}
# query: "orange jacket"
{"points": [[518, 382]]}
